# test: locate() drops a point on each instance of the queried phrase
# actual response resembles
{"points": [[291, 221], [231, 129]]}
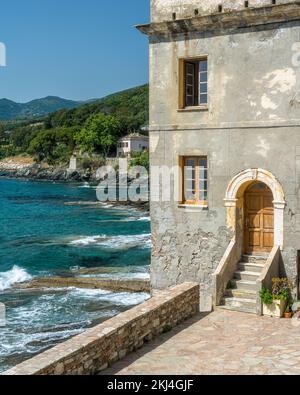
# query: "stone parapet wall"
{"points": [[162, 10], [99, 347]]}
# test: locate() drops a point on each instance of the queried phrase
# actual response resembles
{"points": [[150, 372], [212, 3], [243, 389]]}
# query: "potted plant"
{"points": [[275, 301], [288, 311]]}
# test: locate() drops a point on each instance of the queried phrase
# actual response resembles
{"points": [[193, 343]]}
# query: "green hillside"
{"points": [[94, 128]]}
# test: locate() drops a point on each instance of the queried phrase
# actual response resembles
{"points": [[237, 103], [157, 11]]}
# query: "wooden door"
{"points": [[259, 219]]}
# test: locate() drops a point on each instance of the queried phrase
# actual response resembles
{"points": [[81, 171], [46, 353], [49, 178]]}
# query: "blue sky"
{"points": [[76, 49]]}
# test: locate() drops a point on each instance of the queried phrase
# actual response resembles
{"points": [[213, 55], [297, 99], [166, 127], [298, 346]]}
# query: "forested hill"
{"points": [[11, 110], [93, 128], [131, 107]]}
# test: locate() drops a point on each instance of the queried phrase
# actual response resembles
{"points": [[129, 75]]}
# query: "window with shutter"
{"points": [[193, 83]]}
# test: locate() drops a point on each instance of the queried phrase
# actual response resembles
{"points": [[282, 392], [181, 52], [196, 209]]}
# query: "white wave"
{"points": [[107, 205], [85, 241], [13, 276], [85, 185], [144, 219], [115, 242], [89, 293], [126, 298]]}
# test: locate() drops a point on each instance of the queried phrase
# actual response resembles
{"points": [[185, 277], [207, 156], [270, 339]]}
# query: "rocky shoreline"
{"points": [[42, 173], [115, 285], [38, 172]]}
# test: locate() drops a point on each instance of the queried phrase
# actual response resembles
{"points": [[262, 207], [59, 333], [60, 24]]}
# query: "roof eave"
{"points": [[249, 17]]}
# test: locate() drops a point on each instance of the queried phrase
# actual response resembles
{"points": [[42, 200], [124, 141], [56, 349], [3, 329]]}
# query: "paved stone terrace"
{"points": [[221, 343]]}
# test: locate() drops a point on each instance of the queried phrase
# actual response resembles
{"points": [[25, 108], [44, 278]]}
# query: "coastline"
{"points": [[40, 173], [76, 267]]}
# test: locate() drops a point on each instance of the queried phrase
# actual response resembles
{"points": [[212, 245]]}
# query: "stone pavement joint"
{"points": [[221, 343]]}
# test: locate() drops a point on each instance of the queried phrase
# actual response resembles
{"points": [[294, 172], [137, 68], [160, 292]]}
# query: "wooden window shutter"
{"points": [[190, 94], [181, 84]]}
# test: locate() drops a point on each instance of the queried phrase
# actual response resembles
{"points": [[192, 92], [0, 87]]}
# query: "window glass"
{"points": [[195, 180]]}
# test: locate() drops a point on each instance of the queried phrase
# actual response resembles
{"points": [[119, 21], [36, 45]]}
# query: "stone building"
{"points": [[224, 114], [133, 143]]}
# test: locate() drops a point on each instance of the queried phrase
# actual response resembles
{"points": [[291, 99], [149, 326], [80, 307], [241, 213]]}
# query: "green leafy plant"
{"points": [[281, 289], [141, 159], [266, 296]]}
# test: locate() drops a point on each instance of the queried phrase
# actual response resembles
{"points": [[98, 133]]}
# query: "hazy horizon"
{"points": [[67, 98]]}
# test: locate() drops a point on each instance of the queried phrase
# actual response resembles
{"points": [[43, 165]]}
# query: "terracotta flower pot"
{"points": [[288, 315]]}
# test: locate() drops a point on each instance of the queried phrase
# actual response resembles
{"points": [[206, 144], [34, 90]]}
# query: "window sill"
{"points": [[194, 207], [192, 109]]}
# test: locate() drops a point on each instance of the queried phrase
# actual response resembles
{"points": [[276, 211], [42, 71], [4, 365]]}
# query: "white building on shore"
{"points": [[133, 143]]}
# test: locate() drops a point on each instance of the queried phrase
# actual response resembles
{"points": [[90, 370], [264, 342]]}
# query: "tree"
{"points": [[3, 136], [100, 134], [54, 145], [128, 111], [141, 159]]}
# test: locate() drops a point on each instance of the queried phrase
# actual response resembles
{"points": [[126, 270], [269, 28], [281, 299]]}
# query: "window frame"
{"points": [[197, 83], [197, 201]]}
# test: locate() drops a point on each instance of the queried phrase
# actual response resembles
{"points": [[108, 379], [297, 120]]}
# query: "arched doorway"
{"points": [[258, 219], [235, 204]]}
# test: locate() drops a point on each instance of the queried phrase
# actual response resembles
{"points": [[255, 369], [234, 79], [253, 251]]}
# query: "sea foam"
{"points": [[115, 242], [13, 276]]}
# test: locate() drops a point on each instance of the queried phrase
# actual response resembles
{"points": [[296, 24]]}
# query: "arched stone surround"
{"points": [[234, 202]]}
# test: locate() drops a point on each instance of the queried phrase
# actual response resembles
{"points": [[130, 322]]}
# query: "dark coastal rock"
{"points": [[38, 172], [117, 285]]}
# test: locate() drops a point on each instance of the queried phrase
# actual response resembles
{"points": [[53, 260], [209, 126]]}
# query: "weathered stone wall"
{"points": [[99, 347], [162, 10], [253, 80], [252, 121]]}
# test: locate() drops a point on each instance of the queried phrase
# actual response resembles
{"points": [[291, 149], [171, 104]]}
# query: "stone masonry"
{"points": [[98, 348], [251, 122]]}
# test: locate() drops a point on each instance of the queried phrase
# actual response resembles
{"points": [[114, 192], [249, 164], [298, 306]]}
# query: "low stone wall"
{"points": [[96, 349]]}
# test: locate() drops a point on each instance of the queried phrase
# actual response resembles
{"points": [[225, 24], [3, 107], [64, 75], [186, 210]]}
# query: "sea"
{"points": [[59, 229]]}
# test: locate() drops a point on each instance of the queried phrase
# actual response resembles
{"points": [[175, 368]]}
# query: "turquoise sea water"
{"points": [[56, 229]]}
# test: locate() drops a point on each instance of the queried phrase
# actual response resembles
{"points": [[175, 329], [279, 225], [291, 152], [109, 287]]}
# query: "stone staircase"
{"points": [[241, 294]]}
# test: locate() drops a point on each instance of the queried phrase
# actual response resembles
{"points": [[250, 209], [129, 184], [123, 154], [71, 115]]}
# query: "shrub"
{"points": [[266, 296], [92, 163], [141, 159], [53, 145], [8, 150], [281, 290]]}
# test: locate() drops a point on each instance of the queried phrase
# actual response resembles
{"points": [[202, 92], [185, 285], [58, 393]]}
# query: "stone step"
{"points": [[251, 267], [239, 304], [243, 284], [238, 309], [245, 275], [239, 293], [255, 258]]}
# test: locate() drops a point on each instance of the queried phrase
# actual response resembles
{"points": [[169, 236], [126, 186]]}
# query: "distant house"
{"points": [[133, 143]]}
